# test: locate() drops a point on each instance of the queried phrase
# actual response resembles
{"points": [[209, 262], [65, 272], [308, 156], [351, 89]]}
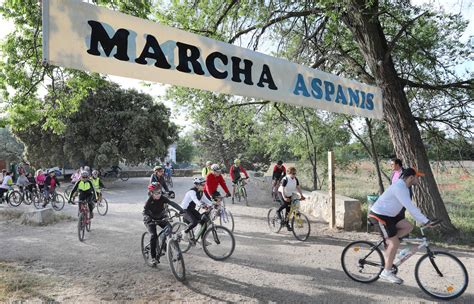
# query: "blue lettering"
{"points": [[340, 97], [353, 97], [328, 90], [300, 86], [370, 101], [362, 104], [316, 90]]}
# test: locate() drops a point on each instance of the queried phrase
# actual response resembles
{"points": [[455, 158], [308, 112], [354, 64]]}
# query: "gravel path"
{"points": [[265, 267]]}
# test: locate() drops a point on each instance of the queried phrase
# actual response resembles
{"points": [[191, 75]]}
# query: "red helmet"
{"points": [[154, 187]]}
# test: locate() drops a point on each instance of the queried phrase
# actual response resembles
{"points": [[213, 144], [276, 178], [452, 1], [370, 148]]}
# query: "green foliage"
{"points": [[111, 125], [185, 149], [10, 148]]}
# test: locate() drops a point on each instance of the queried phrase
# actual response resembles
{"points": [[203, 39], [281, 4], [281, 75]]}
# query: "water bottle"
{"points": [[401, 255]]}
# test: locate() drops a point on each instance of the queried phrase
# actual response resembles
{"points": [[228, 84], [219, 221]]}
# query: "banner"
{"points": [[91, 38]]}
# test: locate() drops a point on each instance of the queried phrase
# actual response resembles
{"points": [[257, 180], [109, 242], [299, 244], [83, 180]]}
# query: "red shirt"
{"points": [[235, 172], [212, 182]]}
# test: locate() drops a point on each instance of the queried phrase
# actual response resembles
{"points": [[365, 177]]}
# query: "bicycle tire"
{"points": [[39, 202], [28, 197], [58, 202], [124, 176], [145, 247], [81, 228], [434, 268], [184, 245], [226, 219], [213, 238], [15, 198], [102, 207], [67, 191], [176, 260], [297, 224], [88, 221], [274, 222], [244, 195], [377, 261]]}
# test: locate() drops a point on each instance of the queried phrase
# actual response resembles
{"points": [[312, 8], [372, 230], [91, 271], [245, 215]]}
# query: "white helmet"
{"points": [[215, 168], [208, 163], [199, 180]]}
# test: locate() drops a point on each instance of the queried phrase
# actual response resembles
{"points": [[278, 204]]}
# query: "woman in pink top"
{"points": [[40, 178]]}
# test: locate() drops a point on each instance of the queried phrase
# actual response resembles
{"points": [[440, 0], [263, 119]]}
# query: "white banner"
{"points": [[86, 37]]}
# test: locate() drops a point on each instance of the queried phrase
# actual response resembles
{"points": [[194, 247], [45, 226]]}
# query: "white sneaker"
{"points": [[390, 277]]}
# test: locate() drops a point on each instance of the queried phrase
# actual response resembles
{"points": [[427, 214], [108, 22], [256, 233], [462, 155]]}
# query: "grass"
{"points": [[456, 186], [17, 284]]}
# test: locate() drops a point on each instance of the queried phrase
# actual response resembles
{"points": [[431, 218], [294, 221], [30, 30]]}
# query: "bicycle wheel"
{"points": [[226, 219], [81, 227], [218, 243], [244, 195], [176, 260], [27, 197], [441, 275], [57, 202], [184, 243], [102, 206], [300, 226], [39, 201], [124, 176], [67, 191], [273, 221], [146, 251], [362, 261], [15, 198]]}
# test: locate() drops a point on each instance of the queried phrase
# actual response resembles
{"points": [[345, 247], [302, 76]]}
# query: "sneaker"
{"points": [[390, 277], [289, 228], [92, 215], [155, 262]]}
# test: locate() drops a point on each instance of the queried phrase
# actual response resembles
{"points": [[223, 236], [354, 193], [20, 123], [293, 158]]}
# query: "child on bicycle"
{"points": [[7, 184], [192, 199], [86, 190], [50, 184], [155, 210], [98, 184], [289, 186], [234, 172]]}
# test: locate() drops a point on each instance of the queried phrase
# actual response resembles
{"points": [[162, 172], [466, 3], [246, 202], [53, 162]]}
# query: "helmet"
{"points": [[216, 194], [237, 161], [153, 187], [95, 173], [280, 162], [216, 168], [199, 180], [157, 168], [84, 174], [208, 163]]}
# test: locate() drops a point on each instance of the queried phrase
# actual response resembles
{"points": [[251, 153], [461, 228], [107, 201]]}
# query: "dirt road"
{"points": [[265, 267]]}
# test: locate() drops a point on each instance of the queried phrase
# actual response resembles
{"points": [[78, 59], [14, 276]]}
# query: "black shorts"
{"points": [[387, 224]]}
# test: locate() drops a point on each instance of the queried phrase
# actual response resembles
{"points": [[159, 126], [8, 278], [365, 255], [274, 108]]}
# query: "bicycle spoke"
{"points": [[362, 262]]}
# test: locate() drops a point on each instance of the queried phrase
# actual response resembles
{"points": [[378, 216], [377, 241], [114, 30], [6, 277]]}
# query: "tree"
{"points": [[393, 45], [10, 148], [111, 125], [185, 150]]}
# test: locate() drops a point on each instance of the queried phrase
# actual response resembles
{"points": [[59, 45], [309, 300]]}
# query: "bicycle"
{"points": [[116, 173], [6, 198], [275, 186], [226, 219], [240, 191], [438, 273], [169, 179], [218, 242], [173, 251], [56, 199], [16, 197], [84, 220], [299, 222], [101, 204]]}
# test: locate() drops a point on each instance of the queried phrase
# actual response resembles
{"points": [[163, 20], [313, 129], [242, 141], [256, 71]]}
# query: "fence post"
{"points": [[332, 189]]}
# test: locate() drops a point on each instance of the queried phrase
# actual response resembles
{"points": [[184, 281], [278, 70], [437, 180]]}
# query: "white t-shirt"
{"points": [[7, 182], [288, 186], [397, 196], [191, 196]]}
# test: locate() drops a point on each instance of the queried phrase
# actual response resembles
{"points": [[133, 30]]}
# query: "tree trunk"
{"points": [[361, 18], [374, 156]]}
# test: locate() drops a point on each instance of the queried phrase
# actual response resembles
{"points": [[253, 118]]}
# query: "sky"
{"points": [[466, 7]]}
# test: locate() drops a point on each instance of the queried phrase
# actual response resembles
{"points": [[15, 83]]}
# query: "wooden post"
{"points": [[332, 189]]}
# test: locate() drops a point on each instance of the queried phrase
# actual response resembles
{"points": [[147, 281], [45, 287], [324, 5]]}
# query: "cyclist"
{"points": [[158, 177], [50, 184], [235, 171], [7, 184], [98, 184], [289, 186], [207, 169], [192, 199], [169, 170], [86, 190], [279, 171], [213, 180], [155, 209], [393, 225], [40, 178]]}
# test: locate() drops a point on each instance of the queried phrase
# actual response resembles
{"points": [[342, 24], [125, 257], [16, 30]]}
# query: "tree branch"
{"points": [[466, 84], [248, 103]]}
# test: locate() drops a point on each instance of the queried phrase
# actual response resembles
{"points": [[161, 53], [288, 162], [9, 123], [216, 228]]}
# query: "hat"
{"points": [[412, 171]]}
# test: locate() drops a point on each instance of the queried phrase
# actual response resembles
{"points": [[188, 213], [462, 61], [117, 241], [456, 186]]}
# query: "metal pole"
{"points": [[332, 189]]}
